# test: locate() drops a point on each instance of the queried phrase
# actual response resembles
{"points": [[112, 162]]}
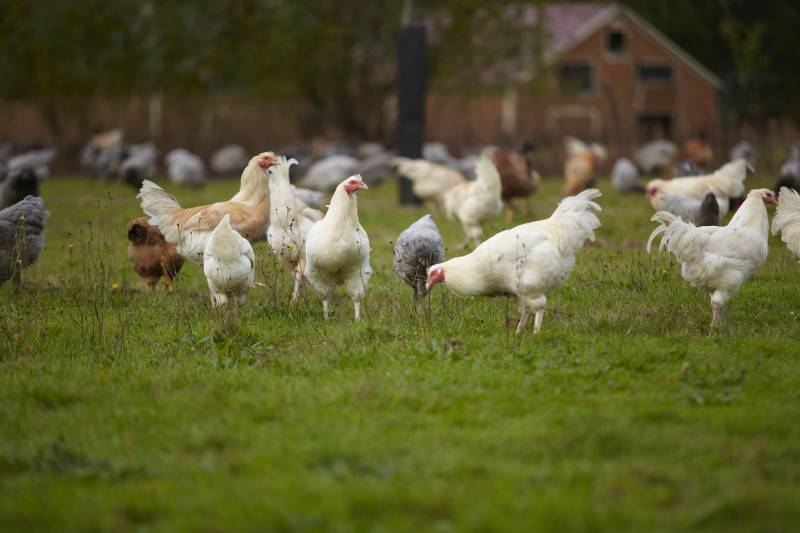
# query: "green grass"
{"points": [[126, 409]]}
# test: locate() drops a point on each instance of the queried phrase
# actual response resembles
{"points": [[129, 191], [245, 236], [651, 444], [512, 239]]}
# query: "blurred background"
{"points": [[280, 74]]}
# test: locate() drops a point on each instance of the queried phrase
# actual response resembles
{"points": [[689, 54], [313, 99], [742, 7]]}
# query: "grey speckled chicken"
{"points": [[21, 238], [418, 247]]}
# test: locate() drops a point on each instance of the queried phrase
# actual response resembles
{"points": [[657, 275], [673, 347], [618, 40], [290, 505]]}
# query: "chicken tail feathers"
{"points": [[156, 202], [574, 221], [728, 180], [787, 219], [679, 238], [223, 243]]}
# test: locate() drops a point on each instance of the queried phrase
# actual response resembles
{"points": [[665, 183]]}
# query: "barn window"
{"points": [[576, 77], [655, 126], [656, 74], [616, 43]]}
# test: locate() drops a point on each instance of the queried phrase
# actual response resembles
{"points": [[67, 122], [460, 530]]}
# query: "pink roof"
{"points": [[562, 20]]}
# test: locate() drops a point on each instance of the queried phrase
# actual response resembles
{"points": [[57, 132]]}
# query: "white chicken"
{"points": [[726, 183], [229, 265], [337, 248], [430, 180], [289, 222], [527, 261], [787, 219], [718, 259], [475, 202]]}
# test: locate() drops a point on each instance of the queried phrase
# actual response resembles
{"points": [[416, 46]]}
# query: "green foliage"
{"points": [[122, 408]]}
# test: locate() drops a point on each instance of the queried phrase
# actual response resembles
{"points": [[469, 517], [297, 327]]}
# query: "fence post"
{"points": [[411, 49]]}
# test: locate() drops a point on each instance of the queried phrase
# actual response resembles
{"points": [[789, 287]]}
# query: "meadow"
{"points": [[126, 409]]}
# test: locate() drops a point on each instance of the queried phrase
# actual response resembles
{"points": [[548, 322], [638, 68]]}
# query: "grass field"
{"points": [[126, 409]]}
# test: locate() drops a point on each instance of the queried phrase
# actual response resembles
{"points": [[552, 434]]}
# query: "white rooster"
{"points": [[474, 202], [719, 259], [726, 183], [787, 219], [337, 248], [289, 222], [430, 180], [229, 265], [527, 261]]}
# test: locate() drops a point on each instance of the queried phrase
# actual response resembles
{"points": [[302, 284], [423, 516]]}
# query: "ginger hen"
{"points": [[189, 229]]}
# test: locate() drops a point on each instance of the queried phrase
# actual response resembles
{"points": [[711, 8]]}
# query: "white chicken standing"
{"points": [[229, 265], [475, 202], [725, 183], [289, 222], [337, 248], [787, 219], [527, 261], [719, 259]]}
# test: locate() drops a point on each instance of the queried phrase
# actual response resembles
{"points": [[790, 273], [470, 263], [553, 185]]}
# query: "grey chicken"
{"points": [[139, 164], [21, 238], [38, 161], [625, 176], [790, 170], [703, 212], [688, 168], [744, 150], [418, 247]]}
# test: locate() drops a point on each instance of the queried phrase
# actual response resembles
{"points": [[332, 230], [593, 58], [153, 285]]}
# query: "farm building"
{"points": [[608, 75]]}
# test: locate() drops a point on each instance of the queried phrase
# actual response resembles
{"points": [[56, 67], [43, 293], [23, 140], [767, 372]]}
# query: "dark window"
{"points": [[654, 126], [656, 74], [616, 43], [576, 77]]}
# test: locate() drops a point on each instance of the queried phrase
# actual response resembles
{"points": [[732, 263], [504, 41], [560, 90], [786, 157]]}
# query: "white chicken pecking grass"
{"points": [[475, 202], [290, 220], [787, 219], [229, 265], [527, 261], [718, 259], [725, 183], [337, 248]]}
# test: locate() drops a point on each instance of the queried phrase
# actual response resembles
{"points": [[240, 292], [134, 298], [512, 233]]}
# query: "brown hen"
{"points": [[152, 256]]}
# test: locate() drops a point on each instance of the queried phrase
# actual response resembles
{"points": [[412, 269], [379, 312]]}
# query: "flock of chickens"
{"points": [[527, 262]]}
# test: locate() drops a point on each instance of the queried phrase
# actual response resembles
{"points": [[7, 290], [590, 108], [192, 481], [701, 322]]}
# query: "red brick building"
{"points": [[608, 76]]}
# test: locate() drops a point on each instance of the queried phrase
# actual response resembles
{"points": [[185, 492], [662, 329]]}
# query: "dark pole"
{"points": [[411, 45]]}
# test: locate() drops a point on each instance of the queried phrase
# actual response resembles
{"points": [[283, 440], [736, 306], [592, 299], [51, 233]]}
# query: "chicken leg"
{"points": [[523, 320], [298, 281], [537, 322]]}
